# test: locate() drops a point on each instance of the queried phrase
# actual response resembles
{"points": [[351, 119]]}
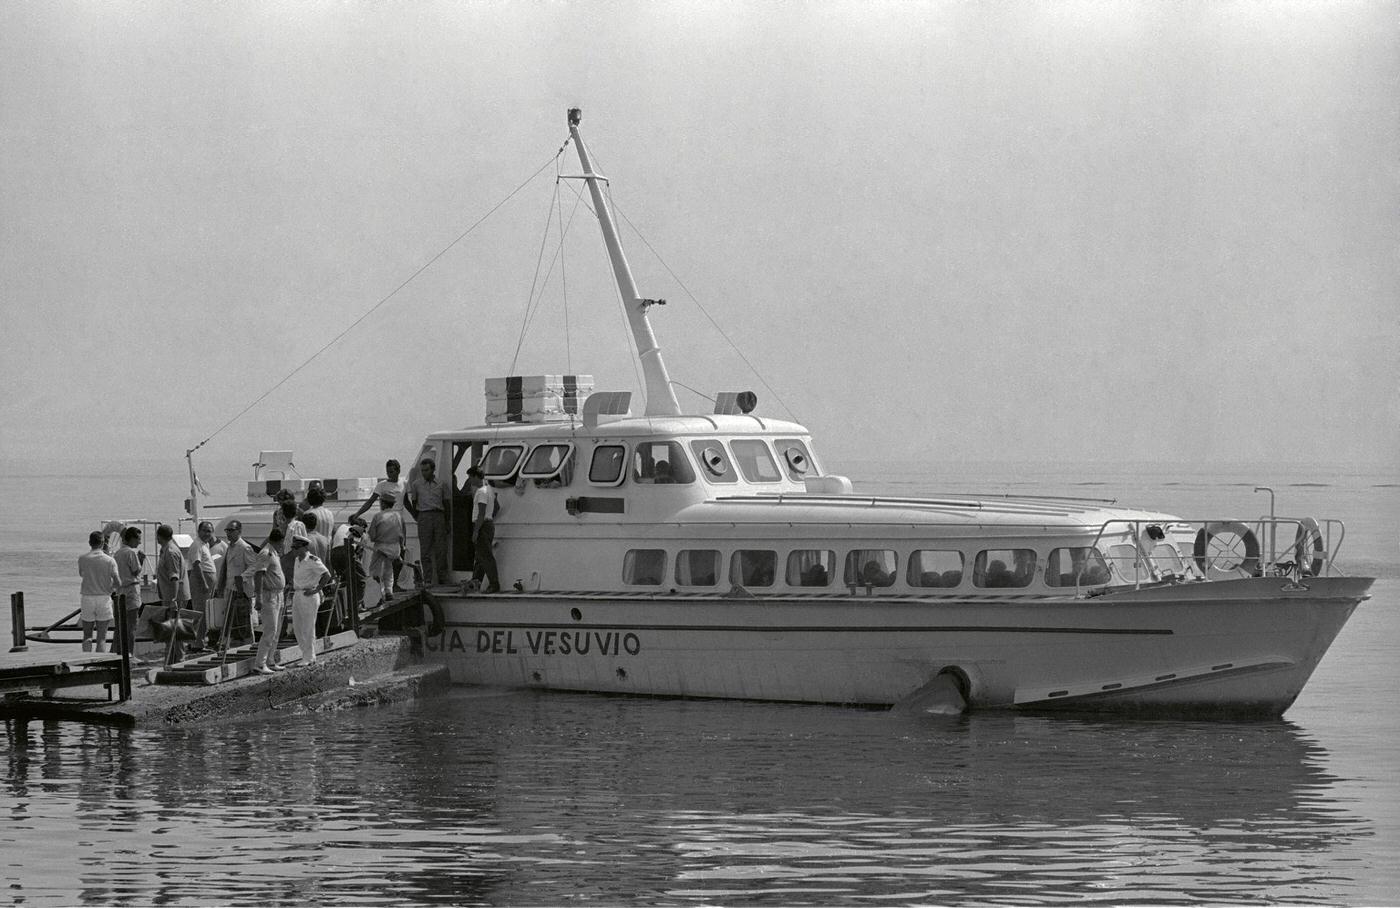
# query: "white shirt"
{"points": [[396, 489], [485, 495]]}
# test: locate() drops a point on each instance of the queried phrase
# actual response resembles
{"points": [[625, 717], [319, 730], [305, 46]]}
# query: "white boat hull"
{"points": [[1242, 647]]}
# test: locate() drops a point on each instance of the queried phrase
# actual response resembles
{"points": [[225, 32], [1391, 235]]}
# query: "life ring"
{"points": [[1249, 564], [1309, 541]]}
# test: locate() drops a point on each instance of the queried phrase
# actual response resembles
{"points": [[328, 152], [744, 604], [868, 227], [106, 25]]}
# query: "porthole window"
{"points": [[1004, 568], [929, 568], [871, 567], [697, 567], [797, 460], [1075, 566], [606, 468], [644, 567], [753, 568], [811, 567], [501, 462], [715, 465]]}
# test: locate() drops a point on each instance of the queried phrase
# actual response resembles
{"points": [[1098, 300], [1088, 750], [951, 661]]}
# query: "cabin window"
{"points": [[714, 462], [753, 567], [661, 462], [697, 567], [811, 567], [549, 465], [1166, 557], [935, 568], [871, 567], [501, 462], [1076, 566], [644, 567], [755, 460], [1124, 557], [797, 460], [1004, 568], [606, 468]]}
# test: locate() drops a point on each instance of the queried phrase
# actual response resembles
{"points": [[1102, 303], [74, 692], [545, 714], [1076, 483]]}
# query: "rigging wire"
{"points": [[527, 317], [390, 295], [607, 187], [704, 312], [537, 303]]}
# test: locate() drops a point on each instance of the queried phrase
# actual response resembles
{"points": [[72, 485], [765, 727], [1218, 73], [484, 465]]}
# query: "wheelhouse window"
{"points": [[795, 457], [934, 568], [714, 461], [549, 465], [753, 567], [1166, 557], [1124, 556], [1004, 568], [606, 467], [871, 567], [1076, 566], [661, 463], [644, 567], [755, 460], [501, 462], [811, 567], [697, 567]]}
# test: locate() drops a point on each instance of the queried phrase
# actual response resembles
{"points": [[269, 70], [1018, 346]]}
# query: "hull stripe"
{"points": [[827, 629]]}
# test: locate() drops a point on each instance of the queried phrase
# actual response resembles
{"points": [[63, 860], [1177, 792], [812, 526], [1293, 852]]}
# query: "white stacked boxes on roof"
{"points": [[536, 398]]}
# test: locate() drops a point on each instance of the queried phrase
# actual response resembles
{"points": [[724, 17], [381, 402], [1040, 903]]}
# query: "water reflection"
{"points": [[526, 798]]}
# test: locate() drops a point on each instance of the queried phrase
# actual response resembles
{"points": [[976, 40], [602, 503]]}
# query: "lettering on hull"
{"points": [[561, 642]]}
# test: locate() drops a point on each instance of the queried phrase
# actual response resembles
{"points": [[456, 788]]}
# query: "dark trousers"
{"points": [[239, 620], [127, 615], [486, 557]]}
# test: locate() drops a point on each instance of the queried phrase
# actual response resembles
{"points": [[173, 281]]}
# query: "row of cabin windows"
{"points": [[925, 568], [653, 462]]}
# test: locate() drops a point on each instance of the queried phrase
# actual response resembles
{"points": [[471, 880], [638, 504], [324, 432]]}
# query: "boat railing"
{"points": [[1219, 548]]}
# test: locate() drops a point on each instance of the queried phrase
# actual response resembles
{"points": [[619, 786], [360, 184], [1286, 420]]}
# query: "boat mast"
{"points": [[661, 398]]}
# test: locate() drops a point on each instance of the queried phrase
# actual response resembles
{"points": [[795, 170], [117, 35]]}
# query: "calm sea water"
{"points": [[530, 798]]}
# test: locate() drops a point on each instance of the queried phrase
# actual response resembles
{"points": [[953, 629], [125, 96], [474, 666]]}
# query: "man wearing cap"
{"points": [[430, 501], [235, 571], [309, 576]]}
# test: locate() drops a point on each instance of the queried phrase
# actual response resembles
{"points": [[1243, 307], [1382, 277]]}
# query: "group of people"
{"points": [[225, 581], [428, 500]]}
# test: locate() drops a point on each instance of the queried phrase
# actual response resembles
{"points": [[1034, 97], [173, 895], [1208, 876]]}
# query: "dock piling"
{"points": [[17, 625]]}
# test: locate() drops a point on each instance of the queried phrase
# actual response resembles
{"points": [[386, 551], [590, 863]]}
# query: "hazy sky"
{"points": [[1010, 231]]}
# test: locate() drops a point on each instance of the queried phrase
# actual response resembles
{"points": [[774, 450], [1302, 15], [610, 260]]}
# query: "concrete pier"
{"points": [[374, 670]]}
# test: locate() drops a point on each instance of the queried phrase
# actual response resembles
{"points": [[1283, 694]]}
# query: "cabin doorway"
{"points": [[465, 455]]}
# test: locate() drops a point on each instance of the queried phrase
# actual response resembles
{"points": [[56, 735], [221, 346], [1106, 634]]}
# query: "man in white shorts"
{"points": [[99, 573]]}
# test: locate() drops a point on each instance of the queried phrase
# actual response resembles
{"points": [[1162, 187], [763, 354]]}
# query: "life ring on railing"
{"points": [[1309, 541], [1224, 555]]}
